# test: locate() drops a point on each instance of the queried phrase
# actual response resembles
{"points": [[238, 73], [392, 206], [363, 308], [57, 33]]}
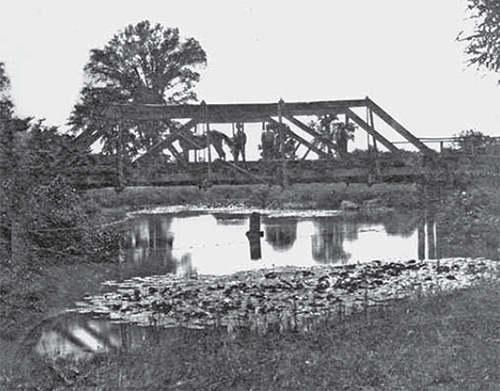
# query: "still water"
{"points": [[216, 243], [191, 243]]}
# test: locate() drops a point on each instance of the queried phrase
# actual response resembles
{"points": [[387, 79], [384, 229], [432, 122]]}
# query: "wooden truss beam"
{"points": [[399, 128], [370, 130], [261, 112], [89, 137], [313, 133], [167, 143], [227, 113]]}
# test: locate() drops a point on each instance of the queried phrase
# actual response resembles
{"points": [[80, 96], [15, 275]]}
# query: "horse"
{"points": [[190, 141]]}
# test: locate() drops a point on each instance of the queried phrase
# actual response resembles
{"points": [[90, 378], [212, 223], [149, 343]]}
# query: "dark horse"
{"points": [[190, 141]]}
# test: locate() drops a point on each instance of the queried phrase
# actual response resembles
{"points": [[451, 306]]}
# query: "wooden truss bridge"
{"points": [[288, 113]]}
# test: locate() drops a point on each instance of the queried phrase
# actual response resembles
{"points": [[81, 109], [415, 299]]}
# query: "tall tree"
{"points": [[6, 105], [483, 43], [12, 141], [144, 63]]}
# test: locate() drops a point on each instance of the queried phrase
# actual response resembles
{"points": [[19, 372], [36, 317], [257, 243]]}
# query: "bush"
{"points": [[470, 222], [330, 200], [60, 226]]}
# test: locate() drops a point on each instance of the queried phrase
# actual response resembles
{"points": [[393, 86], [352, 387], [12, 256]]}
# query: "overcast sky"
{"points": [[401, 53]]}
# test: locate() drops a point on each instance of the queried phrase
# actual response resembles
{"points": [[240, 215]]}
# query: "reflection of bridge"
{"points": [[153, 167]]}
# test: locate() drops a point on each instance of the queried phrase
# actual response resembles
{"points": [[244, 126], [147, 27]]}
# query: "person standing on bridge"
{"points": [[239, 142], [268, 142]]}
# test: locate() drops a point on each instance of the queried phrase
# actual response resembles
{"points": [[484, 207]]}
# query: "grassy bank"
{"points": [[447, 341], [309, 196]]}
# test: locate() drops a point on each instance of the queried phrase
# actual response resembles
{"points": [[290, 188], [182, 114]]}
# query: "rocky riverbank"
{"points": [[287, 297]]}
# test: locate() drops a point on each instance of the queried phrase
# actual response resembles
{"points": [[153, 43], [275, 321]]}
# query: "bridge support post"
{"points": [[284, 178], [204, 113], [254, 234]]}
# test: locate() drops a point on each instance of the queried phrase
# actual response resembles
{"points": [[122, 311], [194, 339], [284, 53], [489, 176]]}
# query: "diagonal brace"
{"points": [[371, 131], [301, 140], [381, 113], [168, 140]]}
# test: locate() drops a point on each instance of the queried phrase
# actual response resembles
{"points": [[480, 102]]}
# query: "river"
{"points": [[216, 243]]}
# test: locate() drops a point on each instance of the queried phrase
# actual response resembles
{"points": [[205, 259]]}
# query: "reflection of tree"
{"points": [[281, 233], [186, 268], [402, 225], [351, 229], [328, 241], [149, 242]]}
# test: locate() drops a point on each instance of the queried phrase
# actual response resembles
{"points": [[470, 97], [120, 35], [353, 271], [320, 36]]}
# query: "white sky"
{"points": [[401, 53]]}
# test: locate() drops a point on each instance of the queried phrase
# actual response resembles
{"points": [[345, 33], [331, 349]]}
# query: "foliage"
{"points": [[483, 43], [60, 229], [144, 63], [4, 79], [441, 341], [335, 131], [42, 215], [6, 105], [472, 142], [469, 222]]}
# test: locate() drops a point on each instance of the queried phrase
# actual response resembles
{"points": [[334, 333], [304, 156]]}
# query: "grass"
{"points": [[444, 341], [311, 196]]}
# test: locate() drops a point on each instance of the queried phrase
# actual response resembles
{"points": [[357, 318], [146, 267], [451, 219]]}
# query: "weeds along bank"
{"points": [[440, 341], [444, 341], [306, 196]]}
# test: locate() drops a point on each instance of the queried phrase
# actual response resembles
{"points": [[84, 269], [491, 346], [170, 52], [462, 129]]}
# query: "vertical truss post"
{"points": [[284, 182], [375, 148], [204, 113]]}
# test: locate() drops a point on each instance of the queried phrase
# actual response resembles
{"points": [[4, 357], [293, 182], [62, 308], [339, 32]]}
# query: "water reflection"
{"points": [[281, 233], [401, 225], [220, 244], [328, 240], [148, 245], [427, 237], [81, 336]]}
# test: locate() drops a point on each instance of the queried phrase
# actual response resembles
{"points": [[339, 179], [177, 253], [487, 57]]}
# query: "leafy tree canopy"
{"points": [[144, 63], [6, 105], [483, 43], [4, 79]]}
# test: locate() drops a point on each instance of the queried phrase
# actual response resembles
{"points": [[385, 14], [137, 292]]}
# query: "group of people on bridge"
{"points": [[271, 145]]}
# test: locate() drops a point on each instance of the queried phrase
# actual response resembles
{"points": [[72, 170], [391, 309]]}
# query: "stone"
{"points": [[348, 205]]}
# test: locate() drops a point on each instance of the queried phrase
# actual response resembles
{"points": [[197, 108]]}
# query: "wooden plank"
{"points": [[400, 128], [301, 140], [371, 131]]}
